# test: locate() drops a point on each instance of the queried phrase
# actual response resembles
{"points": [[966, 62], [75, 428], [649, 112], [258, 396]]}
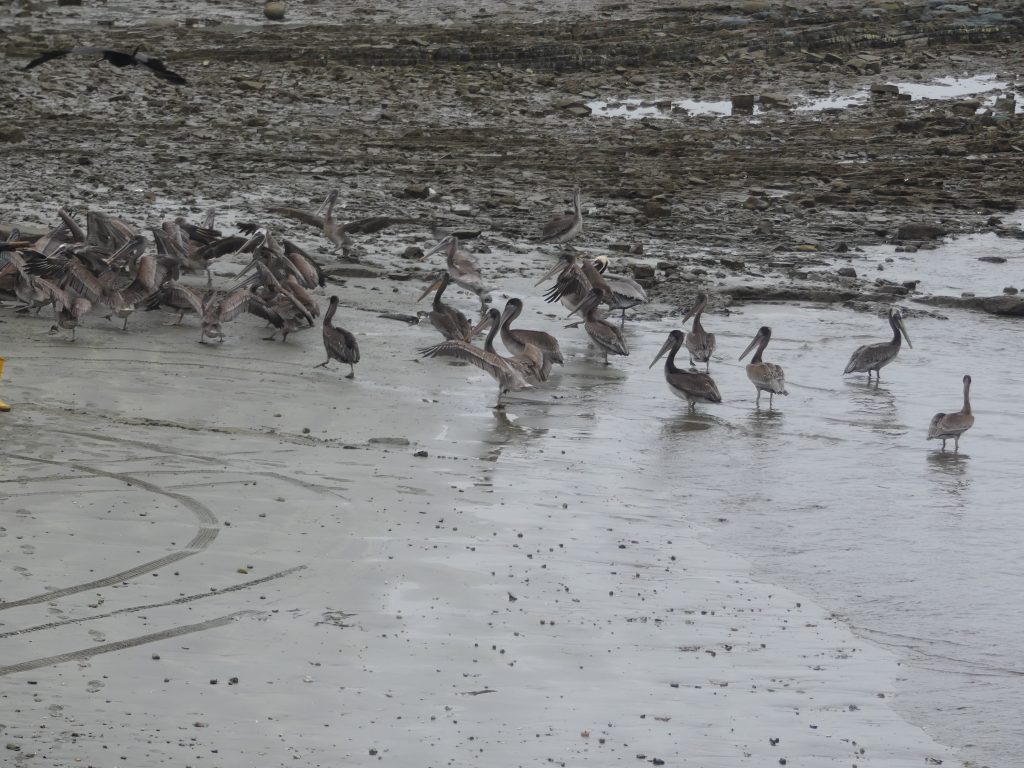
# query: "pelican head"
{"points": [[565, 259], [331, 199], [896, 321], [448, 241], [674, 341], [701, 302], [764, 333], [577, 198], [492, 316], [601, 263], [513, 307]]}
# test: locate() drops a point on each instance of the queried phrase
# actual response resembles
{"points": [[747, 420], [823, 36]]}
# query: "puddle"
{"points": [[941, 89]]}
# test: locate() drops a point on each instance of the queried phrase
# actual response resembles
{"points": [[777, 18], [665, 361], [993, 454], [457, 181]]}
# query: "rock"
{"points": [[11, 135], [388, 441], [1009, 305], [643, 271], [966, 106], [743, 102], [755, 203], [251, 85], [993, 259], [920, 231], [655, 210], [884, 89], [413, 252], [418, 191], [846, 272], [578, 110], [274, 10], [351, 270], [774, 100], [1010, 290]]}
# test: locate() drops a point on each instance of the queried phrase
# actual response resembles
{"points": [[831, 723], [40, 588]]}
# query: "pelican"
{"points": [[517, 340], [572, 285], [604, 334], [766, 377], [699, 343], [625, 292], [339, 343], [687, 385], [449, 321], [951, 425], [562, 229], [336, 231], [873, 357], [510, 373], [463, 269]]}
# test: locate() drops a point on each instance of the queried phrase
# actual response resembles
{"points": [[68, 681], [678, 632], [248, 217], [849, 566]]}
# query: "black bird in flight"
{"points": [[117, 58]]}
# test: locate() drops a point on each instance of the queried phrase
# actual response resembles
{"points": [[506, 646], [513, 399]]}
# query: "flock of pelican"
{"points": [[74, 270]]}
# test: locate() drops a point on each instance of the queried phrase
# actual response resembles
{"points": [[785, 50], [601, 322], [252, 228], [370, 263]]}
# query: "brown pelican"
{"points": [[463, 269], [214, 308], [699, 343], [604, 334], [517, 340], [282, 303], [873, 357], [449, 321], [572, 285], [625, 292], [951, 425], [766, 377], [511, 374], [688, 385], [335, 231], [339, 343], [117, 58], [562, 229]]}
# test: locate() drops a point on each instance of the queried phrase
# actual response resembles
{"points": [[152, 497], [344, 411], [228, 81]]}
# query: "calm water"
{"points": [[837, 494]]}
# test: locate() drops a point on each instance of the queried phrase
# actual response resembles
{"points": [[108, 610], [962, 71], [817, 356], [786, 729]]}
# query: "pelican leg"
{"points": [[771, 396], [758, 401], [323, 364], [606, 358], [125, 326], [956, 444], [352, 372], [271, 337], [622, 322]]}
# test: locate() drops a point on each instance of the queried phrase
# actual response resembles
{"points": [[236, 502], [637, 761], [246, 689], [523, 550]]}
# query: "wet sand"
{"points": [[521, 593]]}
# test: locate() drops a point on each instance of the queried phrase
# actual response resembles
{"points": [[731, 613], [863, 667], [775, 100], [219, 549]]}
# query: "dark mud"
{"points": [[483, 111]]}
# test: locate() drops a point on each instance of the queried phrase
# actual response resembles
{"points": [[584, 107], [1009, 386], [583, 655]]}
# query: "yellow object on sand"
{"points": [[3, 406]]}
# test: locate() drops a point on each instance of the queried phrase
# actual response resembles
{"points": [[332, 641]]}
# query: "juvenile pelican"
{"points": [[508, 376], [562, 229], [699, 343], [604, 334], [687, 385], [951, 425], [331, 229], [463, 269], [626, 292], [339, 343], [873, 357], [766, 377], [448, 320], [572, 285], [517, 340]]}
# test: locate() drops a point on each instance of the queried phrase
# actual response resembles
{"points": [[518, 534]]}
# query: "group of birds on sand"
{"points": [[74, 269]]}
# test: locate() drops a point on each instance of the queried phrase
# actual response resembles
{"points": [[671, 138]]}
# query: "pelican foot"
{"points": [[350, 376]]}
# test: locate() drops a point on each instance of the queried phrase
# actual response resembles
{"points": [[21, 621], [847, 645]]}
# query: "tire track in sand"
{"points": [[120, 645], [205, 535]]}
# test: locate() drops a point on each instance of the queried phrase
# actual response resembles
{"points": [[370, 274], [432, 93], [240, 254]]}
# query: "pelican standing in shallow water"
{"points": [[463, 269], [516, 340], [510, 374], [449, 321], [626, 292], [601, 332], [339, 343], [562, 229], [699, 343], [947, 426], [874, 357], [687, 385], [766, 377]]}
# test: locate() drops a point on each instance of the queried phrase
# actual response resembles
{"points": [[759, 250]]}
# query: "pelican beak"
{"points": [[484, 322], [664, 348], [248, 266], [750, 346], [688, 315], [445, 241], [905, 334], [550, 272], [578, 307], [258, 237], [432, 287]]}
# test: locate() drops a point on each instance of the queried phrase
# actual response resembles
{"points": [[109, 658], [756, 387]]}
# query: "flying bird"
{"points": [[117, 58]]}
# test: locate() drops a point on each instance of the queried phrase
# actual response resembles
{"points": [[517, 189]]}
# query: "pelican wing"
{"points": [[183, 295], [700, 344], [571, 282], [607, 336], [72, 226], [341, 345], [233, 304], [372, 224], [299, 215], [312, 273], [261, 308], [557, 227], [698, 386], [450, 323], [626, 291], [79, 280], [768, 376], [871, 356], [52, 292], [490, 363]]}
